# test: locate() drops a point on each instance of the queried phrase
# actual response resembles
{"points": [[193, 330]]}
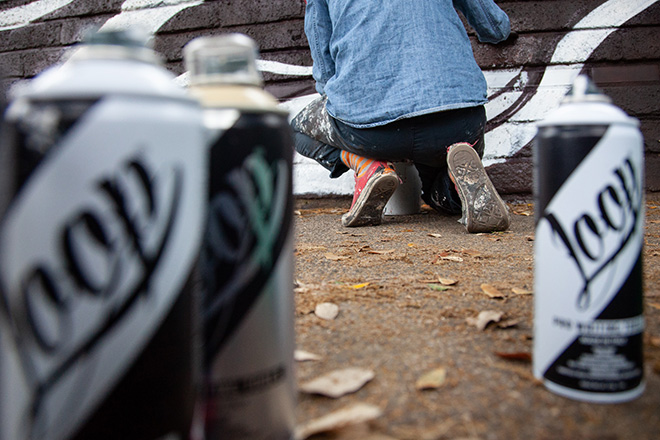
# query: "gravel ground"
{"points": [[397, 320]]}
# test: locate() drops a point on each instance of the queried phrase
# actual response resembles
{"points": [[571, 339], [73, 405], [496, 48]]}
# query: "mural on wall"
{"points": [[518, 97]]}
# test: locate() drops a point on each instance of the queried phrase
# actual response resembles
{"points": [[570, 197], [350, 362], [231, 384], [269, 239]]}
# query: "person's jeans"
{"points": [[422, 140]]}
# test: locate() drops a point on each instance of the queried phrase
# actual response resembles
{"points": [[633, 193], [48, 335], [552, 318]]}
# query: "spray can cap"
{"points": [[222, 59], [131, 43], [584, 90]]}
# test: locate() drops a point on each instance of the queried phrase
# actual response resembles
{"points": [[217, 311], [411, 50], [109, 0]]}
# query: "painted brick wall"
{"points": [[617, 42]]}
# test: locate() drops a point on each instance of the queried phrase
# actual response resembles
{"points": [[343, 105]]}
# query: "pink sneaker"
{"points": [[372, 191]]}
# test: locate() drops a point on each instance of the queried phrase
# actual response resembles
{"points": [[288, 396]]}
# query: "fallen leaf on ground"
{"points": [[471, 252], [304, 356], [491, 291], [383, 252], [431, 380], [351, 415], [525, 210], [517, 356], [435, 235], [359, 286], [521, 291], [447, 281], [339, 382], [334, 257], [484, 318], [508, 323], [438, 287], [451, 258], [654, 305], [328, 311]]}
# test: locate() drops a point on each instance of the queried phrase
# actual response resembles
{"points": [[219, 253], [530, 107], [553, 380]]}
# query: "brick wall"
{"points": [[617, 42]]}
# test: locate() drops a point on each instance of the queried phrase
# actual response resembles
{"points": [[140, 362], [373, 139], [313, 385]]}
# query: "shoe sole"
{"points": [[368, 208], [483, 208]]}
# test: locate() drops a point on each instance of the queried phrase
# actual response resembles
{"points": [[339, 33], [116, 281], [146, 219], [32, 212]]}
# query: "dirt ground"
{"points": [[397, 320]]}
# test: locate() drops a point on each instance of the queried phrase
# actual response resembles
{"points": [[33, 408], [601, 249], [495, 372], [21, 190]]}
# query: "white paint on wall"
{"points": [[23, 15], [283, 69], [566, 63], [147, 15]]}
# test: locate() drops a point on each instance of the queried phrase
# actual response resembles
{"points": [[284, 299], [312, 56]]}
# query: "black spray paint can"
{"points": [[589, 196], [102, 213], [247, 262]]}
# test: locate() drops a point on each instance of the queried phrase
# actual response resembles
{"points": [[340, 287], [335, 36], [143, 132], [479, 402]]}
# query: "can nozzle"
{"points": [[130, 37], [222, 59], [131, 43], [584, 90]]}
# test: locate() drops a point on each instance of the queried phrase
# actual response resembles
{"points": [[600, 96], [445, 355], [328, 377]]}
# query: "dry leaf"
{"points": [[359, 286], [508, 323], [520, 291], [327, 311], [339, 382], [517, 356], [352, 415], [471, 252], [484, 318], [491, 291], [435, 235], [447, 281], [304, 356], [431, 380], [388, 251], [334, 257], [452, 258], [654, 305], [526, 210], [438, 287]]}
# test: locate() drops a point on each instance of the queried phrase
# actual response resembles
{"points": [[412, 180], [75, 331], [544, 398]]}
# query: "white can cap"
{"points": [[222, 59]]}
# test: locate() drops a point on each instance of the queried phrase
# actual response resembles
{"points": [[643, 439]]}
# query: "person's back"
{"points": [[381, 61]]}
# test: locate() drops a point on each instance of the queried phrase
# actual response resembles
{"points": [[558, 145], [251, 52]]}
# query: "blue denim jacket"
{"points": [[379, 61]]}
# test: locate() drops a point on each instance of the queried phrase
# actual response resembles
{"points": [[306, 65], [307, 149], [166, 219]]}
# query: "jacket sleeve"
{"points": [[318, 29], [489, 21]]}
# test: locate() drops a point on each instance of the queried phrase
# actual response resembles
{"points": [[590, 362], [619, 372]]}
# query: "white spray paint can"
{"points": [[589, 197], [247, 255], [102, 211]]}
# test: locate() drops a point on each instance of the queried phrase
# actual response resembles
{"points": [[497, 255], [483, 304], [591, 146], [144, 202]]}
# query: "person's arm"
{"points": [[489, 21], [318, 29]]}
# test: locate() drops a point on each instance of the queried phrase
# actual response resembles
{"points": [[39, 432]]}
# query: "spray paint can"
{"points": [[589, 195], [248, 256], [102, 221]]}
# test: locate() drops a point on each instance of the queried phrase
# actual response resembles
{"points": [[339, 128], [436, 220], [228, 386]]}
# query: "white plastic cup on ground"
{"points": [[406, 199]]}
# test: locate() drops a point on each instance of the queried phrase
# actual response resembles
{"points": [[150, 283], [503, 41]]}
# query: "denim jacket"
{"points": [[380, 61]]}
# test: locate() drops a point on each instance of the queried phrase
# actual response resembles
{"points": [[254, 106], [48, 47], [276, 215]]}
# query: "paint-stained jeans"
{"points": [[422, 140]]}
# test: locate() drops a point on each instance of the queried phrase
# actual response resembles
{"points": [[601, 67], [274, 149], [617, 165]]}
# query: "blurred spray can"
{"points": [[589, 195], [248, 256], [102, 216]]}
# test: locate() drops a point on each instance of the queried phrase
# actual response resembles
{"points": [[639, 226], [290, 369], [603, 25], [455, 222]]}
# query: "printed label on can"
{"points": [[247, 271], [249, 221], [588, 307], [94, 250]]}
